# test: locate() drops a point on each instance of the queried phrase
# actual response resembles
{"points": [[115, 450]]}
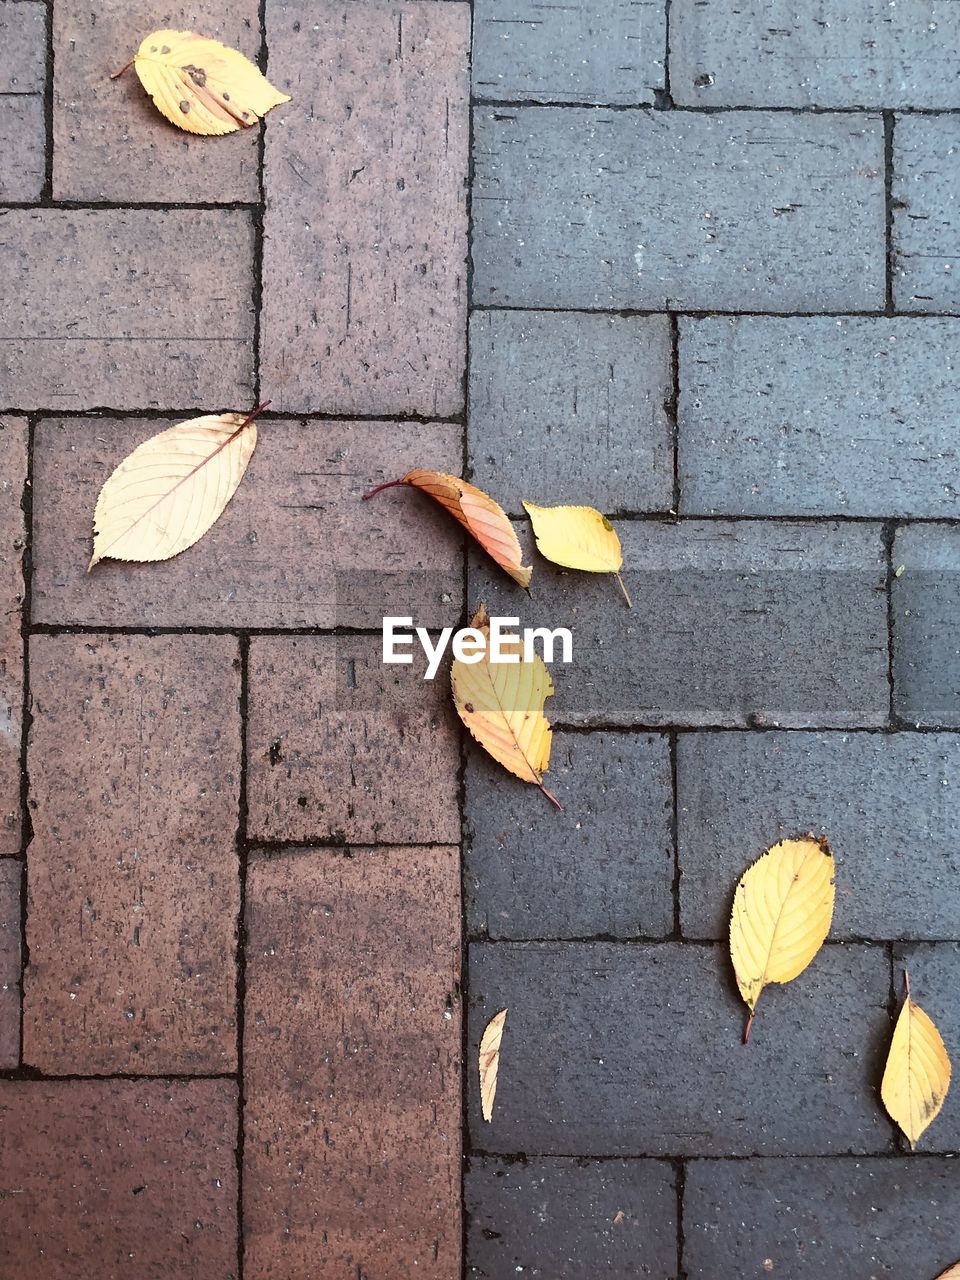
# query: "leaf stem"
{"points": [[749, 1027], [125, 67], [250, 416], [624, 590], [550, 796], [389, 484]]}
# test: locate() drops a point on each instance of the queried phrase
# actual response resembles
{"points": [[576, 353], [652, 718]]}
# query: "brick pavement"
{"points": [[713, 292]]}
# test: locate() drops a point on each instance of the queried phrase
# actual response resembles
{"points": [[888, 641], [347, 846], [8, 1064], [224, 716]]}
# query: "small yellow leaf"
{"points": [[577, 538], [917, 1075], [201, 85], [490, 1062], [782, 912], [951, 1273], [166, 494]]}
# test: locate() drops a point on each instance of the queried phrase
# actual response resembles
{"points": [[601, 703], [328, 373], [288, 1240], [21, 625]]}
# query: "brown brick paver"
{"points": [[13, 473], [352, 1066], [10, 869]]}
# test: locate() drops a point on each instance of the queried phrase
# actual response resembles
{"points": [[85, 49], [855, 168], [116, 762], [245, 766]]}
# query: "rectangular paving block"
{"points": [[352, 1058], [621, 1049], [22, 142], [572, 403], [739, 211], [589, 51], [10, 874], [926, 193], [819, 416], [341, 747], [23, 46], [296, 546], [534, 873], [126, 308], [578, 1220], [733, 623], [134, 763], [820, 1219], [364, 274], [926, 600], [863, 53], [888, 803], [109, 141], [134, 1178], [934, 970], [13, 475]]}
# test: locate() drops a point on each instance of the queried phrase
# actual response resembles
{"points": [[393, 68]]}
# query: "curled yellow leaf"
{"points": [[782, 912], [917, 1074], [490, 1062], [577, 538]]}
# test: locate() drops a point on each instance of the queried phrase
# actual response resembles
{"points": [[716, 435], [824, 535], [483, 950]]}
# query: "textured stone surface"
{"points": [[546, 1218], [352, 1045], [602, 866], [134, 763], [733, 623], [22, 138], [10, 872], [926, 200], [565, 404], [341, 747], [745, 211], [934, 970], [13, 474], [820, 1219], [587, 51], [889, 804], [132, 309], [635, 1050], [110, 142], [296, 547], [819, 416], [773, 53], [23, 47], [926, 600], [119, 1178], [364, 304]]}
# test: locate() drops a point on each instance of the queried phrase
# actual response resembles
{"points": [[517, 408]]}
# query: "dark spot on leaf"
{"points": [[245, 114], [468, 706], [197, 75], [226, 96], [184, 106], [165, 49], [153, 48]]}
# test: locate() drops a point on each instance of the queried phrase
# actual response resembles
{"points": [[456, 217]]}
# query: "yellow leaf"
{"points": [[951, 1273], [490, 1062], [782, 912], [577, 538], [501, 703], [201, 85], [917, 1075], [166, 494]]}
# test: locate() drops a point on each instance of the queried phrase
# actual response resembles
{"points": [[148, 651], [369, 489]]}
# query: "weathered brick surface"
{"points": [[865, 53], [23, 47], [13, 474], [635, 1050], [22, 137], [926, 194], [588, 51], [550, 1218], [889, 804], [534, 873], [352, 1065], [134, 763], [129, 308], [296, 546], [818, 416], [342, 747], [820, 1219], [565, 404], [119, 1178], [364, 305], [926, 599], [744, 211], [10, 870], [934, 970], [110, 142], [733, 623]]}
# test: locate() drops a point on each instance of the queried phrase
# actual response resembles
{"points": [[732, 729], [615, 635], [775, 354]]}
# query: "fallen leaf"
{"points": [[201, 85], [501, 703], [578, 538], [782, 912], [951, 1273], [490, 1062], [917, 1074], [166, 494], [478, 513]]}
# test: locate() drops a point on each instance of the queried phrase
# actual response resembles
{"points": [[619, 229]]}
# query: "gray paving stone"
{"points": [[889, 804], [821, 1219], [740, 211], [22, 142], [602, 866], [572, 404], [620, 1049], [926, 609], [547, 1218], [934, 970], [23, 46], [819, 416], [600, 51], [926, 213], [869, 53], [734, 623]]}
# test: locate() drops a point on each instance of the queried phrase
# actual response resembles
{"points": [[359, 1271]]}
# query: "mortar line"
{"points": [[673, 409], [680, 1168], [888, 535], [888, 128], [243, 851], [47, 188], [675, 835], [26, 821]]}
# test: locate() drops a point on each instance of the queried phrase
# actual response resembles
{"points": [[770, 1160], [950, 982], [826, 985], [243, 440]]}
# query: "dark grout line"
{"points": [[718, 313], [46, 192], [168, 1077], [673, 409], [108, 414], [243, 854], [680, 1170], [46, 201], [675, 836], [26, 821], [888, 534], [664, 101], [608, 726], [730, 517], [888, 127], [672, 1158], [672, 940]]}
